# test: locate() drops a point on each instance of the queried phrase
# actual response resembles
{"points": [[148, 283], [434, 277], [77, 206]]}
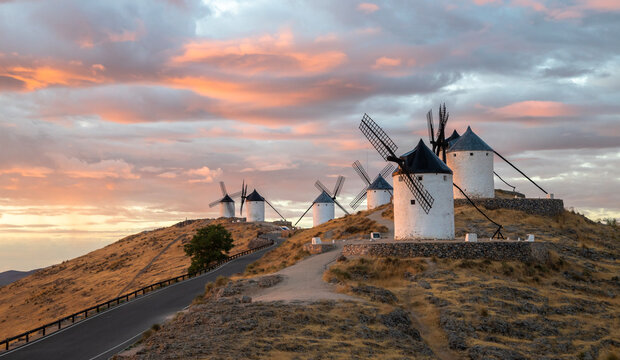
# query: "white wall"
{"points": [[255, 211], [322, 212], [376, 198], [411, 222], [472, 173], [227, 209]]}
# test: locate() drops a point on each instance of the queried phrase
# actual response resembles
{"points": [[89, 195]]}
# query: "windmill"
{"points": [[378, 191], [226, 202], [440, 143], [323, 205], [415, 167], [255, 210]]}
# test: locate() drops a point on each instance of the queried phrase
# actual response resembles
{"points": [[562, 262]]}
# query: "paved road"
{"points": [[104, 335]]}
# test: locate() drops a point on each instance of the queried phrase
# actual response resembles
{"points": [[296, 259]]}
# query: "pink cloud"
{"points": [[76, 168], [277, 54], [36, 172], [203, 174], [535, 109], [386, 62], [367, 8]]}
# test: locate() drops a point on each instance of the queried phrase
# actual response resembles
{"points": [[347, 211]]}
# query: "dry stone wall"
{"points": [[492, 250], [544, 207]]}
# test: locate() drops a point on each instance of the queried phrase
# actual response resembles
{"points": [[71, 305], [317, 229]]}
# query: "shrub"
{"points": [[210, 244]]}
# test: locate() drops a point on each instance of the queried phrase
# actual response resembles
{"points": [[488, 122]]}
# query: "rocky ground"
{"points": [[226, 324]]}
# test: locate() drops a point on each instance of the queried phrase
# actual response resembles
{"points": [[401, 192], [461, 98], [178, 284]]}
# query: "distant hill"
{"points": [[10, 276]]}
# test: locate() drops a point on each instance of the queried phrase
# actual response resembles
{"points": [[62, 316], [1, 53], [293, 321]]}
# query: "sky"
{"points": [[120, 116]]}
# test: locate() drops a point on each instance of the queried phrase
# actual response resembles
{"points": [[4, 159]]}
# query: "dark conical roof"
{"points": [[226, 198], [469, 141], [453, 138], [254, 196], [422, 160], [380, 184], [323, 198]]}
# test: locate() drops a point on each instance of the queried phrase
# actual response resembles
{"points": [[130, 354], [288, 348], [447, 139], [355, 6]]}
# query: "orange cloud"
{"points": [[37, 172], [535, 109], [367, 8], [41, 77], [268, 53]]}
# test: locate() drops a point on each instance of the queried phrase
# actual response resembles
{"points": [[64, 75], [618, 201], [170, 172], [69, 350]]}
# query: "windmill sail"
{"points": [[386, 147]]}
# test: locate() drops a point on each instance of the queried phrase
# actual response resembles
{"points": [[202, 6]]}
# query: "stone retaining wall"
{"points": [[545, 207], [492, 250], [318, 248]]}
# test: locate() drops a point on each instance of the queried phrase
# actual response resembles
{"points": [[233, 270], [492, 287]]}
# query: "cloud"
{"points": [[386, 62], [203, 175], [109, 168], [37, 172], [535, 108], [367, 8]]}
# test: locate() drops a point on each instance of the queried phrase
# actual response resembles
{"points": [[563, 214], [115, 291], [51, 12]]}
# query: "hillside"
{"points": [[123, 266], [567, 308]]}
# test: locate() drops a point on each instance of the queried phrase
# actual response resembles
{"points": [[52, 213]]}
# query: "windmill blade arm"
{"points": [[358, 199], [361, 171], [388, 169], [378, 138], [223, 188], [319, 185], [521, 172], [339, 184], [274, 209], [304, 214], [431, 130], [341, 208], [214, 203], [422, 195], [235, 195]]}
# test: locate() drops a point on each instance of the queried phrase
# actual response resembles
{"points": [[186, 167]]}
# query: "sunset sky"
{"points": [[121, 116]]}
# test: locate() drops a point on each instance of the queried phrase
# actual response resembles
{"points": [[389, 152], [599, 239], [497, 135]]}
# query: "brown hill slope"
{"points": [[123, 266], [567, 308]]}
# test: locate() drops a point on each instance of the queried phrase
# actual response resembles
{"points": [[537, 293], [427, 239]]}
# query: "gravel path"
{"points": [[304, 281]]}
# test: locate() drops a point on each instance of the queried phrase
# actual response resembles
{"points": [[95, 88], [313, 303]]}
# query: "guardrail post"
{"points": [[43, 332], [27, 337], [59, 324]]}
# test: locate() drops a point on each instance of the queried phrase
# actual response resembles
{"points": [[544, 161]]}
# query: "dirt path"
{"points": [[143, 270], [304, 281], [376, 216]]}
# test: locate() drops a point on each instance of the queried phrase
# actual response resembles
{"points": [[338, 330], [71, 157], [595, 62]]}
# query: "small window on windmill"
{"points": [[412, 202], [487, 154], [454, 155], [445, 178], [420, 177], [471, 154]]}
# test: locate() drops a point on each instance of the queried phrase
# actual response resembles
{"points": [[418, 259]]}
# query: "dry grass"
{"points": [[291, 251], [578, 285], [65, 288]]}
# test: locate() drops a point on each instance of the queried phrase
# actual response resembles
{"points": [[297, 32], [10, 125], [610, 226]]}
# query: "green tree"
{"points": [[210, 243]]}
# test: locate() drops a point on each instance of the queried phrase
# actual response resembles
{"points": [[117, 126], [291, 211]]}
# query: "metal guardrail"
{"points": [[83, 314]]}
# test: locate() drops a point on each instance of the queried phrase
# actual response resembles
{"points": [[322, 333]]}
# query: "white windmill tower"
{"points": [[255, 211], [377, 192], [423, 202], [227, 204], [323, 209], [471, 159]]}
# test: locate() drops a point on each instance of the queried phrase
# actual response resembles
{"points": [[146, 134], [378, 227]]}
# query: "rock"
{"points": [[341, 258], [399, 320], [424, 284], [376, 294], [246, 299]]}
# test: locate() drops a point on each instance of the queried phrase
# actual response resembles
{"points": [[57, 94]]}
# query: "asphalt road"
{"points": [[106, 334]]}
